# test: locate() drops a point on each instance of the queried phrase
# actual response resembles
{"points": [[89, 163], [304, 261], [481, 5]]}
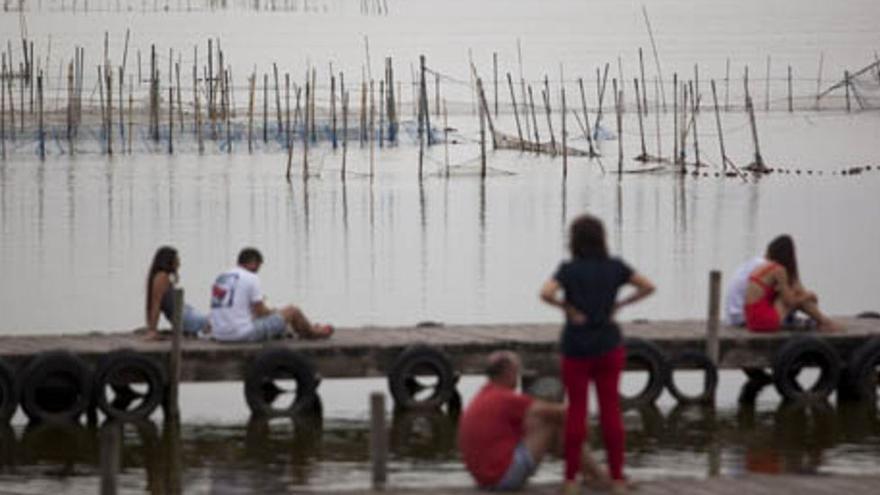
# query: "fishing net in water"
{"points": [[863, 84]]}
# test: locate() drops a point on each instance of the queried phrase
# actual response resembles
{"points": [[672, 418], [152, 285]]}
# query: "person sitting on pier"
{"points": [[238, 312], [503, 435], [774, 291], [160, 298], [591, 341]]}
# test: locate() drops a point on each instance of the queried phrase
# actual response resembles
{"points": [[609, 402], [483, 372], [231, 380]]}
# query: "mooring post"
{"points": [[172, 410], [714, 321], [111, 438], [378, 440]]}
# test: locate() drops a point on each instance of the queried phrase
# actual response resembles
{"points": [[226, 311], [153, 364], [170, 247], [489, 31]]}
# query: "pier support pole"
{"points": [[378, 440], [714, 321], [111, 438], [172, 409]]}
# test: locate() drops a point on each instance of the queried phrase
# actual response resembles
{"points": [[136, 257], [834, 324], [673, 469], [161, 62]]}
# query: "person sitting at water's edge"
{"points": [[161, 279], [591, 341], [239, 313], [774, 291], [503, 435]]}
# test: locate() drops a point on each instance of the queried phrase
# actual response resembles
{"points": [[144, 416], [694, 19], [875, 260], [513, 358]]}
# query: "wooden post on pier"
{"points": [[109, 452], [172, 408], [522, 143], [714, 321], [378, 441]]}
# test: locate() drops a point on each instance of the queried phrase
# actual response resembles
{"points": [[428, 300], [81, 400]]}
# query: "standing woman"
{"points": [[591, 342], [160, 296]]}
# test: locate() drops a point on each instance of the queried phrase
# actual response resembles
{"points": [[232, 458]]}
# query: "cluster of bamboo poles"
{"points": [[367, 7], [211, 113]]}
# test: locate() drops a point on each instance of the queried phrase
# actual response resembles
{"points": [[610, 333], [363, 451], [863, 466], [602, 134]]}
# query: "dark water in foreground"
{"points": [[323, 454]]}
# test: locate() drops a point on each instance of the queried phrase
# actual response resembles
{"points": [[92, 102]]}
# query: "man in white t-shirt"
{"points": [[238, 312], [735, 298]]}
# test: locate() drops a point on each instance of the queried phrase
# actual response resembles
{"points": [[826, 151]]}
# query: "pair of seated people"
{"points": [[238, 310], [766, 291]]}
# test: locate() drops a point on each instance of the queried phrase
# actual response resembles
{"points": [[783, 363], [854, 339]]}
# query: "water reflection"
{"points": [[285, 453]]}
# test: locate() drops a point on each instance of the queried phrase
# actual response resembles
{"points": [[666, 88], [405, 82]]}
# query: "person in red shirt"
{"points": [[502, 434]]}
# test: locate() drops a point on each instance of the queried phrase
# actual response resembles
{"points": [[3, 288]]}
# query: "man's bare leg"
{"points": [[301, 325], [541, 435]]}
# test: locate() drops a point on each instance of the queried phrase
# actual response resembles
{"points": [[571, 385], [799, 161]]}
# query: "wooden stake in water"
{"points": [[344, 130], [333, 110], [727, 86], [790, 97], [587, 130], [3, 109], [759, 160], [446, 138], [617, 97], [280, 127], [644, 156], [381, 113], [675, 118], [564, 138], [306, 111], [111, 438], [482, 134], [251, 113], [424, 95], [534, 121], [40, 117], [170, 120], [819, 79], [519, 134], [656, 57], [549, 120], [495, 74], [720, 130], [694, 98], [644, 87], [600, 94], [846, 83], [371, 140], [226, 111], [265, 108]]}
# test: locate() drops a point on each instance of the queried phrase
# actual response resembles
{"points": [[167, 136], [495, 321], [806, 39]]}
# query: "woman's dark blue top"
{"points": [[591, 286]]}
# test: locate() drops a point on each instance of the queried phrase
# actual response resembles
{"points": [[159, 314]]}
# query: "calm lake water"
{"points": [[77, 232]]}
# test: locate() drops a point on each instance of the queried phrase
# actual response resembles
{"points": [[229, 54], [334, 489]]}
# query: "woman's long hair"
{"points": [[781, 250], [587, 238], [163, 261]]}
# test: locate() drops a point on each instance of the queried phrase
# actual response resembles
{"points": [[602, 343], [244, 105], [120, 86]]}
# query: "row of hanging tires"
{"points": [[60, 386]]}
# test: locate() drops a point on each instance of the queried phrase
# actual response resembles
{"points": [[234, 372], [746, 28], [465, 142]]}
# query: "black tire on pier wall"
{"points": [[797, 353], [642, 354], [118, 371], [8, 392], [702, 362], [55, 387], [419, 361], [261, 391], [862, 377]]}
